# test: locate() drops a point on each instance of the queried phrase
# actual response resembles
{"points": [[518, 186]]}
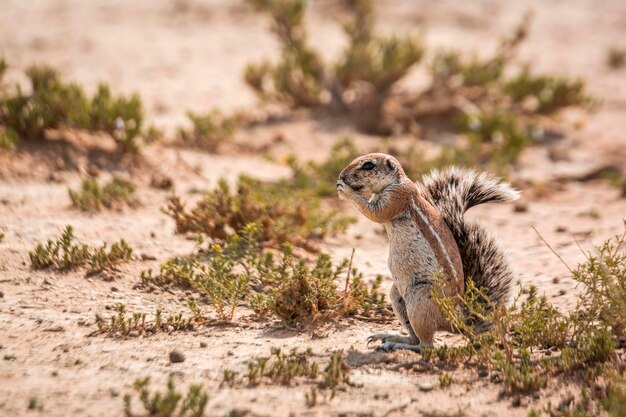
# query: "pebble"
{"points": [[176, 356], [496, 377], [356, 382], [520, 207], [426, 386], [203, 344], [483, 372]]}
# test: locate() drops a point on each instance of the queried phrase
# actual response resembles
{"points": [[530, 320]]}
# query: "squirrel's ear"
{"points": [[390, 164]]}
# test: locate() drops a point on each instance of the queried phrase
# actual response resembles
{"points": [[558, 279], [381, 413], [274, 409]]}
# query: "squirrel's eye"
{"points": [[368, 166]]}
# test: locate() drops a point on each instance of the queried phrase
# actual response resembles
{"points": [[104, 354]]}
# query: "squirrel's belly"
{"points": [[411, 259]]}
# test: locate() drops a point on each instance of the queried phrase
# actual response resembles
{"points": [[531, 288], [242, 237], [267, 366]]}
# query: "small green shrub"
{"points": [[60, 254], [170, 403], [238, 270], [92, 197], [284, 369], [310, 292], [179, 272], [284, 214], [497, 137], [374, 59], [335, 373], [123, 325], [603, 276], [223, 274], [445, 380], [521, 376], [121, 117], [451, 67], [101, 258], [209, 131], [369, 68], [54, 104], [298, 78], [546, 93], [64, 253], [540, 324]]}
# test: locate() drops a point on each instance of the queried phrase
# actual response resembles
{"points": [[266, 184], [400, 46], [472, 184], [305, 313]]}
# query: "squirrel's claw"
{"points": [[377, 336]]}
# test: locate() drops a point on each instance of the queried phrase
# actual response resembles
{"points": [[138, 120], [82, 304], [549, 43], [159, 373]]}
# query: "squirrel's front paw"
{"points": [[344, 190]]}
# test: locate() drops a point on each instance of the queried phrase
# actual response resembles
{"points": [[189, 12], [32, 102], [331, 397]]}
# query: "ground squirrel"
{"points": [[428, 236]]}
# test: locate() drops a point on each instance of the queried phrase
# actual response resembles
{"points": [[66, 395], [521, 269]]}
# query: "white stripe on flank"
{"points": [[432, 230]]}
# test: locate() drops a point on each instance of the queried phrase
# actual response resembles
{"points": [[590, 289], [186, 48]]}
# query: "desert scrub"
{"points": [[363, 84], [52, 103], [585, 338], [281, 368], [496, 138], [286, 214], [239, 270], [60, 254], [102, 258], [546, 93], [122, 325], [208, 131], [603, 276], [64, 253], [309, 291], [92, 197], [335, 373], [223, 273], [284, 368], [298, 79], [171, 403], [370, 66]]}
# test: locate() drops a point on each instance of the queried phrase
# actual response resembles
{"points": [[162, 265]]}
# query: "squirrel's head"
{"points": [[371, 173]]}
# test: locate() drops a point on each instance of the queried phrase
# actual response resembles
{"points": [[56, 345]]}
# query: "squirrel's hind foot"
{"points": [[390, 338], [392, 347]]}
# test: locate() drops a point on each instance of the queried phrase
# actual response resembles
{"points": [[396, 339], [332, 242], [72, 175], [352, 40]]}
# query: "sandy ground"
{"points": [[182, 55]]}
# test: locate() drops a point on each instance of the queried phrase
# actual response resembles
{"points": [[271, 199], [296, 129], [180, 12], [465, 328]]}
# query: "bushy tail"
{"points": [[453, 191]]}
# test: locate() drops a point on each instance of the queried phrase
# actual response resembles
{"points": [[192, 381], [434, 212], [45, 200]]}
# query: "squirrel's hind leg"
{"points": [[399, 308], [421, 316]]}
